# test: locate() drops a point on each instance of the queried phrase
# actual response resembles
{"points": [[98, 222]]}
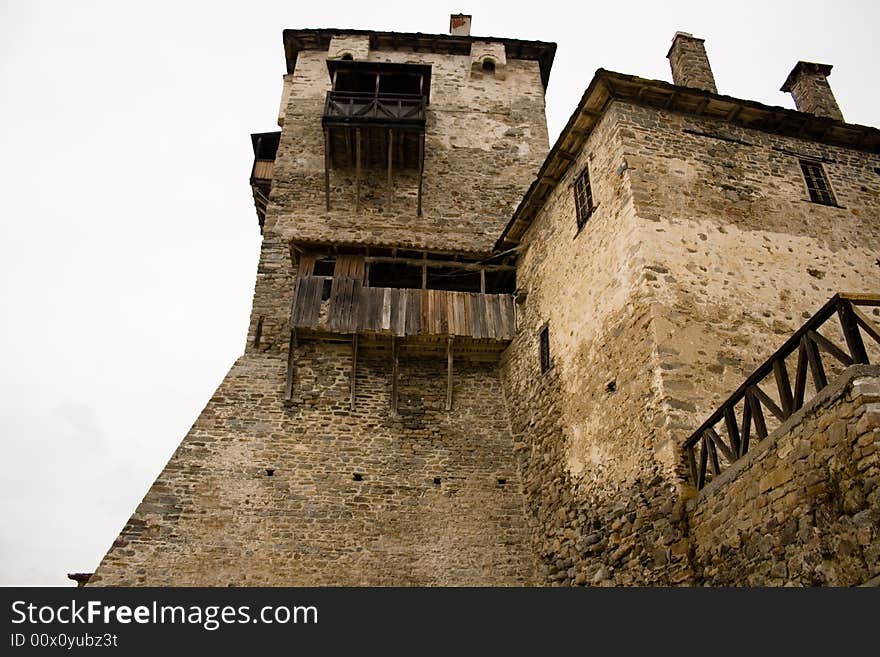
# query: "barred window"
{"points": [[583, 198], [817, 183], [544, 348]]}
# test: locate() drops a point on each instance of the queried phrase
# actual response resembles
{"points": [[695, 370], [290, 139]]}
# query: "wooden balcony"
{"points": [[348, 108], [351, 308], [265, 146]]}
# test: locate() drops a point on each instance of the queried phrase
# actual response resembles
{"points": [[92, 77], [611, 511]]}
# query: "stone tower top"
{"points": [[689, 63], [808, 85]]}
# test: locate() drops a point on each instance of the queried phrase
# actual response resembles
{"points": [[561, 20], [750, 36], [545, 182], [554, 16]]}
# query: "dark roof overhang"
{"points": [[540, 51]]}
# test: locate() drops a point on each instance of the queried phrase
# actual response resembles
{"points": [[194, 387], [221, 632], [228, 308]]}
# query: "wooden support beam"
{"points": [[849, 324], [357, 170], [390, 158], [865, 322], [704, 457], [327, 168], [815, 361], [800, 378], [783, 385], [424, 271], [765, 399], [421, 171], [713, 454], [757, 413], [291, 365], [692, 464], [394, 373], [732, 429], [482, 280], [354, 357], [746, 430], [826, 345], [716, 439], [449, 373]]}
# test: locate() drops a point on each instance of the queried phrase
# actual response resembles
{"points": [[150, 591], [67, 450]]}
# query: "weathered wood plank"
{"points": [[386, 309]]}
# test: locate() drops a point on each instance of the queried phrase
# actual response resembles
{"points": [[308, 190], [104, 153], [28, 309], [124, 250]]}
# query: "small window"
{"points": [[817, 183], [544, 347], [583, 198], [488, 65]]}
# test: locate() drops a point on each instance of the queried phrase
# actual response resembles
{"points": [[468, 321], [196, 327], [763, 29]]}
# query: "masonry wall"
{"points": [[598, 466], [739, 256], [702, 256], [803, 506], [214, 517], [486, 137]]}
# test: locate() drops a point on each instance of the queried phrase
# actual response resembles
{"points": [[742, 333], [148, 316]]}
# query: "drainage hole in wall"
{"points": [[270, 472], [611, 386], [436, 481], [501, 482], [358, 476]]}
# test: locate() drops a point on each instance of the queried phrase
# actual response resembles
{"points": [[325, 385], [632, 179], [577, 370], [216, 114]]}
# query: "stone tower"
{"points": [[472, 361], [362, 437]]}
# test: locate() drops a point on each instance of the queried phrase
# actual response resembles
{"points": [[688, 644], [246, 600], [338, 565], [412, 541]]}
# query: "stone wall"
{"points": [[438, 500], [703, 255], [598, 467], [803, 506], [738, 256], [486, 137]]}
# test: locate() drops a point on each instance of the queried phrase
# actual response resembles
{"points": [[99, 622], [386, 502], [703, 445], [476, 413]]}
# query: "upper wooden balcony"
{"points": [[350, 108]]}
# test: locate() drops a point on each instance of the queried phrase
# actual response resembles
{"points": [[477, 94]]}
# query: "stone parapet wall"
{"points": [[803, 506]]}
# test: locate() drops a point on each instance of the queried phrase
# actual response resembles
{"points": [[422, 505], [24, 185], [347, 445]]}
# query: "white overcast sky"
{"points": [[129, 240]]}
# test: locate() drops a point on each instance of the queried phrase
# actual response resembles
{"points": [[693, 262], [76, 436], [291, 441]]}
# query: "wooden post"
{"points": [[291, 365], [390, 157], [783, 385], [692, 464], [354, 356], [424, 271], [449, 373], [732, 429], [421, 171], [394, 373], [482, 281], [357, 170], [327, 168], [851, 332]]}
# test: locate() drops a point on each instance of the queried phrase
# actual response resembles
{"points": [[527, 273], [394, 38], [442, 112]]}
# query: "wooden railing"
{"points": [[353, 308], [733, 440], [351, 107]]}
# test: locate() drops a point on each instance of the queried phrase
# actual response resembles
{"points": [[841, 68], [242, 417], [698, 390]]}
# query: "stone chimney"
{"points": [[689, 62], [808, 85], [460, 25]]}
